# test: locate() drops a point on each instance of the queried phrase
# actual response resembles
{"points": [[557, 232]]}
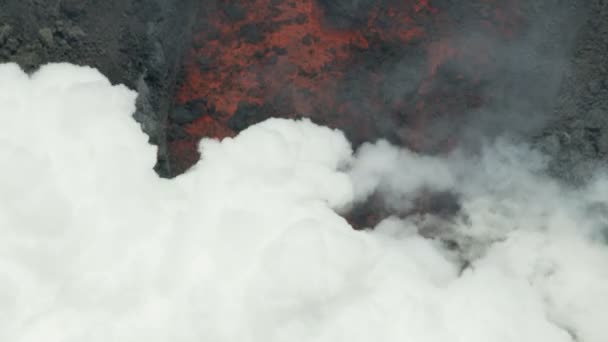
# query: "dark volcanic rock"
{"points": [[251, 33], [248, 114], [133, 42], [72, 8], [346, 14], [234, 12], [577, 137], [187, 113], [5, 31]]}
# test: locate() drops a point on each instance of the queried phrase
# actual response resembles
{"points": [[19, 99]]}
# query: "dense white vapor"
{"points": [[248, 246]]}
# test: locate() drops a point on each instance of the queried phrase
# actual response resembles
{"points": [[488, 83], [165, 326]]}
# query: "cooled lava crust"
{"points": [[373, 68]]}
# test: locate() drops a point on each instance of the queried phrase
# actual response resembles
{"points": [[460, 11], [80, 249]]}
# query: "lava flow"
{"points": [[373, 68]]}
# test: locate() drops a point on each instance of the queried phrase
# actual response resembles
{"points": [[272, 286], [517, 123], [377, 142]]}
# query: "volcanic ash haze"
{"points": [[249, 245]]}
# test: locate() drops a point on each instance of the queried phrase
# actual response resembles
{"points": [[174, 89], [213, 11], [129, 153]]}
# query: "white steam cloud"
{"points": [[248, 246]]}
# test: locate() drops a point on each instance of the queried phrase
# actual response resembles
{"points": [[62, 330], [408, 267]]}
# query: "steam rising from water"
{"points": [[248, 246]]}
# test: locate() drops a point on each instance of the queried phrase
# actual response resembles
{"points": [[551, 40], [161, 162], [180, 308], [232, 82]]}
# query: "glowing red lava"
{"points": [[259, 58]]}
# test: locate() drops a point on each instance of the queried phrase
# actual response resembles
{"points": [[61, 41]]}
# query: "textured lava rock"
{"points": [[576, 134]]}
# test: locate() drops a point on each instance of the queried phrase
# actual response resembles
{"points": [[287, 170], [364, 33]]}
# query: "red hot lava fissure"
{"points": [[381, 70]]}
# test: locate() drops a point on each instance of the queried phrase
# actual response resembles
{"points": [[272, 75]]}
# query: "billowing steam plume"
{"points": [[249, 245]]}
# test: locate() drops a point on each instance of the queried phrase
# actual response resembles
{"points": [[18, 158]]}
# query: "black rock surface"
{"points": [[577, 137]]}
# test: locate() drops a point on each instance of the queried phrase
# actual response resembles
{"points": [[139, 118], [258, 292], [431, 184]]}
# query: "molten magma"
{"points": [[334, 64]]}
